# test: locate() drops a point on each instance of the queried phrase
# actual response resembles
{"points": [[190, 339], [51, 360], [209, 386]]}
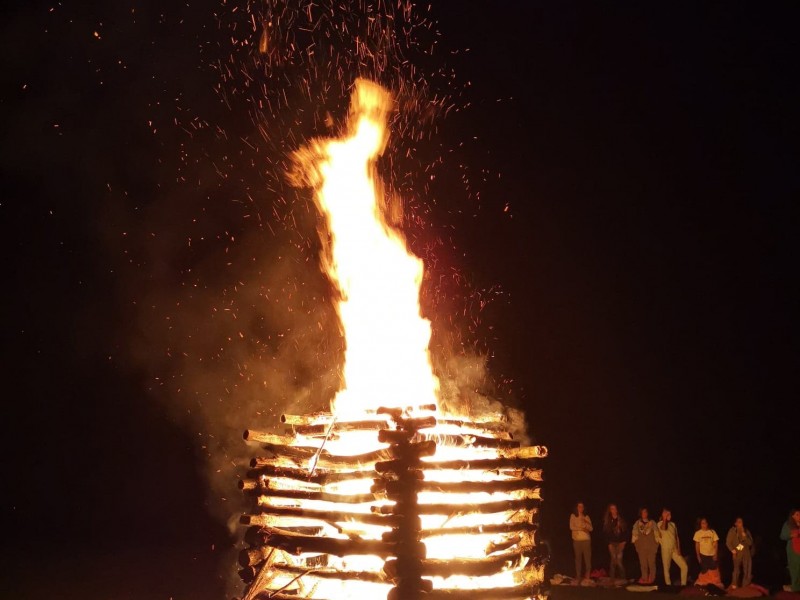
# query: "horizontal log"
{"points": [[265, 467], [463, 509], [328, 573], [252, 435], [310, 428], [300, 544], [326, 516], [467, 440], [459, 487], [255, 536], [513, 527], [264, 495], [325, 458]]}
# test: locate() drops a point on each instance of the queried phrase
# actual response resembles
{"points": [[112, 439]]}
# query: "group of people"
{"points": [[648, 535]]}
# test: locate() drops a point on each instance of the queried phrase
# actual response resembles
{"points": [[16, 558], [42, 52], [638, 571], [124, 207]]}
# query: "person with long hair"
{"points": [[643, 536], [706, 542], [580, 524], [791, 534], [740, 542], [667, 536], [616, 532]]}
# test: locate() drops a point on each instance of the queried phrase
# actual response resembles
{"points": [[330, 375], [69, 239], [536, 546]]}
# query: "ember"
{"points": [[386, 495]]}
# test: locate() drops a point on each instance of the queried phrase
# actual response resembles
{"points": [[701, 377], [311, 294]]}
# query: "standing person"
{"points": [[706, 543], [791, 533], [644, 540], [616, 532], [581, 526], [740, 542], [667, 536]]}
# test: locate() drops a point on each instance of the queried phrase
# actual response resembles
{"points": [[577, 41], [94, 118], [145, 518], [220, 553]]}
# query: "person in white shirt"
{"points": [[667, 536], [581, 527], [705, 546]]}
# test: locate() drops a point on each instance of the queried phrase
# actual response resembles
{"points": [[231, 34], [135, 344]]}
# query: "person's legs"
{"points": [[651, 566], [576, 549], [666, 562], [747, 566], [620, 551], [587, 557], [707, 563], [737, 567], [612, 566], [794, 570], [642, 564], [681, 562]]}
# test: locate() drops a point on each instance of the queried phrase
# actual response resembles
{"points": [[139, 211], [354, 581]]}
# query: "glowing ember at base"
{"points": [[385, 496]]}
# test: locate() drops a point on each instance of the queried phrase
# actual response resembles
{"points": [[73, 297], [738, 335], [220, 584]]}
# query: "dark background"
{"points": [[642, 234]]}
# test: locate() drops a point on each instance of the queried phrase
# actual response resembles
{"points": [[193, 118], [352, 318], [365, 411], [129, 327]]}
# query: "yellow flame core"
{"points": [[387, 361]]}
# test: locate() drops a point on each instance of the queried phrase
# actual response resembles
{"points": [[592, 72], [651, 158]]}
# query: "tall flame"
{"points": [[387, 361]]}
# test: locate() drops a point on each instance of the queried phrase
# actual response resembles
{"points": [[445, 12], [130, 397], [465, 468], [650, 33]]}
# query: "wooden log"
{"points": [[265, 495], [466, 440], [265, 467], [252, 435], [293, 543], [481, 464], [328, 573], [325, 458], [498, 528], [462, 509], [255, 536], [268, 519], [461, 487]]}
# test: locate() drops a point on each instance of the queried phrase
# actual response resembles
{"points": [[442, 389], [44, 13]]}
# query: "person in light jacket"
{"points": [[790, 533], [616, 532], [740, 542], [643, 537], [667, 536], [580, 524]]}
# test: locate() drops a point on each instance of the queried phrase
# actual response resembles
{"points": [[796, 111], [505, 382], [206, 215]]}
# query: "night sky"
{"points": [[613, 222]]}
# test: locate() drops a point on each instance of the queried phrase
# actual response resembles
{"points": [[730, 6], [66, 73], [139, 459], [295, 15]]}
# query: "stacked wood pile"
{"points": [[383, 506]]}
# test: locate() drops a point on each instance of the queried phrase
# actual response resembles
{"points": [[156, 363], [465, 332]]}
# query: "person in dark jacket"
{"points": [[740, 542], [616, 532]]}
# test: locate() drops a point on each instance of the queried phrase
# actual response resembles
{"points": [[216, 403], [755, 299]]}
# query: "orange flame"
{"points": [[387, 361]]}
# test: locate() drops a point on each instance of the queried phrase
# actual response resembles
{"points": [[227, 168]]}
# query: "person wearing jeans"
{"points": [[740, 542], [667, 536], [616, 532], [581, 526]]}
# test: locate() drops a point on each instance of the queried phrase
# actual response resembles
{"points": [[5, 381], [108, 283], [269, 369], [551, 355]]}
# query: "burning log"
{"points": [[458, 487], [272, 518], [294, 543], [327, 573], [263, 499], [461, 509], [266, 467]]}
